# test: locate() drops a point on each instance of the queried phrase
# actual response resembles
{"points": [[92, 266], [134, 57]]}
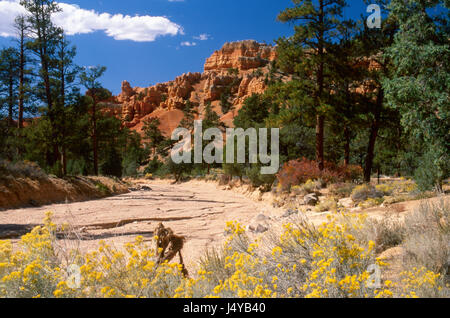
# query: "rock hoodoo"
{"points": [[239, 70]]}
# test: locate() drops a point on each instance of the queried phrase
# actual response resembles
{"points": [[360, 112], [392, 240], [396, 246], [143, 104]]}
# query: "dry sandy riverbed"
{"points": [[196, 209]]}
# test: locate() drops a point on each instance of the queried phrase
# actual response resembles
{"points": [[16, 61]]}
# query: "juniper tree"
{"points": [[419, 86]]}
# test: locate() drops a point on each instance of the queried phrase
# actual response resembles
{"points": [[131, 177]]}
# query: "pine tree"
{"points": [[210, 120], [9, 67], [305, 54], [348, 75], [44, 36], [65, 91], [372, 103], [154, 138], [189, 115], [89, 79], [21, 27]]}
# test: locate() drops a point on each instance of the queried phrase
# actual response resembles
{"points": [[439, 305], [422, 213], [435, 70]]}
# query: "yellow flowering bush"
{"points": [[327, 204], [371, 202], [335, 259], [34, 270], [420, 282]]}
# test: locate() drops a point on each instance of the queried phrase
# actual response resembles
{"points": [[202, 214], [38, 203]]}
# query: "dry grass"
{"points": [[427, 239]]}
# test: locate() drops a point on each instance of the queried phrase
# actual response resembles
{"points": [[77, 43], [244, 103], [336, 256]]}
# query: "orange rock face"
{"points": [[245, 55], [239, 69]]}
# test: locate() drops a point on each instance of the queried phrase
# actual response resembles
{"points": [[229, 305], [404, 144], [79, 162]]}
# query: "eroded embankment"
{"points": [[26, 192]]}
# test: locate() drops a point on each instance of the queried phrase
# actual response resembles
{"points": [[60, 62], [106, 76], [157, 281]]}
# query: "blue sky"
{"points": [[206, 23]]}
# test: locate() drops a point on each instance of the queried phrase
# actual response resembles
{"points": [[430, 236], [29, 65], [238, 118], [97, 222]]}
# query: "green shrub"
{"points": [[153, 166], [259, 180], [432, 171], [102, 188], [327, 204], [178, 170], [386, 189], [112, 166], [366, 191], [234, 169], [22, 169], [342, 190], [311, 186]]}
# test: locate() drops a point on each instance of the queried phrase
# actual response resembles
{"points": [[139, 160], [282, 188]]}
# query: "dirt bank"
{"points": [[26, 192]]}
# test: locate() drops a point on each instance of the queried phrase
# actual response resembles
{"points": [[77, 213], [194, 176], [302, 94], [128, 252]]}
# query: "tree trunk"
{"points": [[319, 141], [43, 54], [347, 146], [320, 124], [64, 160], [10, 102], [21, 81], [373, 137], [94, 136]]}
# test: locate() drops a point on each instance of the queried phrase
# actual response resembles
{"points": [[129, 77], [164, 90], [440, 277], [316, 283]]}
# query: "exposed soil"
{"points": [[26, 192]]}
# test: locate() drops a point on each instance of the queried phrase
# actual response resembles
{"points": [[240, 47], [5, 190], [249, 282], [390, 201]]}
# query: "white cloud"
{"points": [[75, 20], [202, 37], [187, 43]]}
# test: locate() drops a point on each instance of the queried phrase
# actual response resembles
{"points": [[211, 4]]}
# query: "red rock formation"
{"points": [[238, 68], [243, 56]]}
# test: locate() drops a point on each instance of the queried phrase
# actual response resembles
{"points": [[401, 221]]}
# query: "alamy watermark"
{"points": [[374, 20], [235, 153]]}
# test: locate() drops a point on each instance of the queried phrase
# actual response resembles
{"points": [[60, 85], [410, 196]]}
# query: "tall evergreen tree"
{"points": [[64, 75], [373, 44], [348, 75], [154, 138], [89, 79], [306, 54], [9, 67], [21, 27], [189, 115], [44, 36]]}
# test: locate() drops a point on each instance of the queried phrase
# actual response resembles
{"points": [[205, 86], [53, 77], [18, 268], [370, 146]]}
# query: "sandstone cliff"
{"points": [[239, 70]]}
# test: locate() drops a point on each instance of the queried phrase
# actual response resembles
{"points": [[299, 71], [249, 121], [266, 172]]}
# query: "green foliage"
{"points": [[178, 170], [364, 192], [154, 138], [233, 71], [23, 169], [189, 113], [225, 103], [258, 180], [420, 82], [112, 165], [153, 166], [432, 170], [253, 113]]}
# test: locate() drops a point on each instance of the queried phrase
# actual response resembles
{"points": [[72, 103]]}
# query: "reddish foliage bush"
{"points": [[297, 172]]}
